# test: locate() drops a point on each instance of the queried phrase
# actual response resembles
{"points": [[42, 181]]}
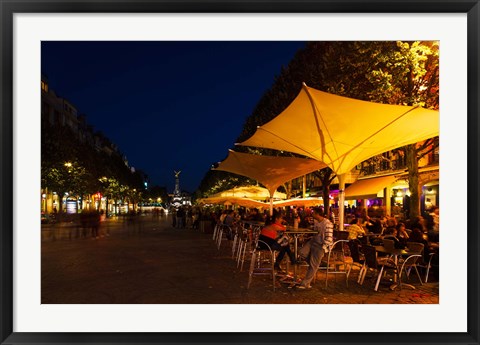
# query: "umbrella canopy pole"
{"points": [[341, 201], [304, 186], [271, 205]]}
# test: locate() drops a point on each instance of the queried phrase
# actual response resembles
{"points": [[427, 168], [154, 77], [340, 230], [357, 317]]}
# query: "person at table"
{"points": [[390, 226], [255, 216], [355, 228], [374, 226], [401, 235], [222, 217], [317, 246], [271, 234], [433, 234], [229, 218], [419, 223]]}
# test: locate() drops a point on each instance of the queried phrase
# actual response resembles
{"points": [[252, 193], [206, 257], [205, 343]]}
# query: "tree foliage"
{"points": [[74, 166]]}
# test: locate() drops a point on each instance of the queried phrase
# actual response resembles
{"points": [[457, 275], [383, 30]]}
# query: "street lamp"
{"points": [[68, 165]]}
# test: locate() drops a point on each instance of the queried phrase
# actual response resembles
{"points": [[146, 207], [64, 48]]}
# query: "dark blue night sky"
{"points": [[167, 105]]}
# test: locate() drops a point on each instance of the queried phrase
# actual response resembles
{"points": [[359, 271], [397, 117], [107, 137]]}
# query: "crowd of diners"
{"points": [[370, 229]]}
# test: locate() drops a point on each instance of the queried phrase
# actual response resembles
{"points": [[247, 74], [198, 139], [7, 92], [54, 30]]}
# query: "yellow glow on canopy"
{"points": [[342, 131]]}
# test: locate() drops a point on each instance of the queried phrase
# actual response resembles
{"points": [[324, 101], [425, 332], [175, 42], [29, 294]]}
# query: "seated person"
{"points": [[398, 234], [355, 229], [390, 226], [255, 216], [271, 233], [374, 226], [401, 235], [418, 236]]}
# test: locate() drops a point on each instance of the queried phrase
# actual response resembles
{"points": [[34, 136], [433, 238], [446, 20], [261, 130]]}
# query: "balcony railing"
{"points": [[393, 165]]}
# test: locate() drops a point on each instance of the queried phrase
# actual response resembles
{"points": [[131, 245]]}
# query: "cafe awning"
{"points": [[251, 192], [305, 202], [270, 171], [342, 131], [368, 188], [246, 202]]}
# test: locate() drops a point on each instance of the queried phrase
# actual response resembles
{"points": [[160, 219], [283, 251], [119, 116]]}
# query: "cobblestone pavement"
{"points": [[149, 261]]}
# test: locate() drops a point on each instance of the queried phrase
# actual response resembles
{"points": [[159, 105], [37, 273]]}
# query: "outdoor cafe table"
{"points": [[253, 223], [255, 226], [396, 253], [296, 233]]}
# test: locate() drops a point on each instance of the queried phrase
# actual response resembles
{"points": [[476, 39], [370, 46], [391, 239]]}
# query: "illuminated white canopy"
{"points": [[342, 131], [233, 200], [251, 192], [270, 171], [368, 187], [305, 202]]}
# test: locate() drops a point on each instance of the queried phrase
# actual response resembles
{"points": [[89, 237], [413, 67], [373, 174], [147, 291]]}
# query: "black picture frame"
{"points": [[10, 7]]}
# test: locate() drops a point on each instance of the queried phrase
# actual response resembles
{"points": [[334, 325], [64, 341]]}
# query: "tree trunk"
{"points": [[106, 206], [413, 183], [326, 198], [59, 214], [288, 189]]}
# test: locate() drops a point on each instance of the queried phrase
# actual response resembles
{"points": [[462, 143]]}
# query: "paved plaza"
{"points": [[148, 261]]}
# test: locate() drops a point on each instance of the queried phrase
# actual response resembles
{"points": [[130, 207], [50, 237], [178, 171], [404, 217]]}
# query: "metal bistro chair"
{"points": [[413, 260], [429, 265], [423, 262], [262, 264], [237, 230], [223, 230], [405, 266], [336, 261], [244, 243], [340, 235], [389, 245], [357, 257], [215, 231], [378, 264], [237, 245]]}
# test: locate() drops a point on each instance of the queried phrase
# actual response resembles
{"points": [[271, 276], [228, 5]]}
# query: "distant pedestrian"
{"points": [[180, 218], [174, 217]]}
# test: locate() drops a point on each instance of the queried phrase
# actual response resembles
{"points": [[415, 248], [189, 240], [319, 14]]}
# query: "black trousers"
{"points": [[275, 246]]}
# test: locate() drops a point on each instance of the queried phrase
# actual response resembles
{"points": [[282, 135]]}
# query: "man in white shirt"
{"points": [[314, 249]]}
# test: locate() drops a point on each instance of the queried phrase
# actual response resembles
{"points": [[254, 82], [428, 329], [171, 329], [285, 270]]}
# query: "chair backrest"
{"points": [[389, 244], [354, 250], [340, 235], [410, 261], [261, 245], [227, 229], [336, 252], [364, 240], [370, 255], [338, 246], [415, 247]]}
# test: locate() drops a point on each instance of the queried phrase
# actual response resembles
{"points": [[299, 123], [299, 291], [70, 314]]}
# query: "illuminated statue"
{"points": [[176, 192], [179, 199]]}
